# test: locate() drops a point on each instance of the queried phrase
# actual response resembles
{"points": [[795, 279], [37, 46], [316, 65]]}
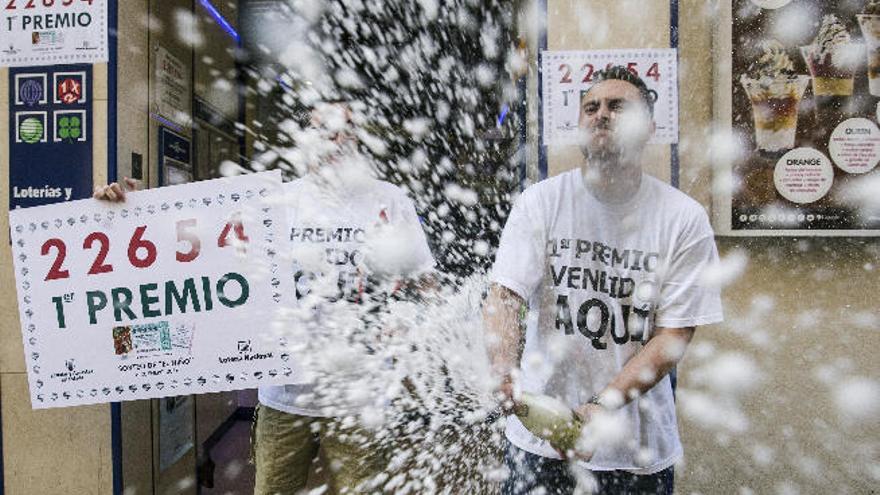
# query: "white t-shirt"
{"points": [[585, 268], [331, 229]]}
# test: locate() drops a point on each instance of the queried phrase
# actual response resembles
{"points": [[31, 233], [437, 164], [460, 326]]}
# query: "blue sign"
{"points": [[50, 134], [173, 146], [175, 166]]}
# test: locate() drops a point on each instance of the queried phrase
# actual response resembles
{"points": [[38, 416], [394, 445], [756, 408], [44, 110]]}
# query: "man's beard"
{"points": [[603, 154], [623, 141]]}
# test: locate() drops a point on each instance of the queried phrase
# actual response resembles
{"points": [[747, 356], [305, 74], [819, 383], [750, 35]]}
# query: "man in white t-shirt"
{"points": [[609, 262], [342, 223]]}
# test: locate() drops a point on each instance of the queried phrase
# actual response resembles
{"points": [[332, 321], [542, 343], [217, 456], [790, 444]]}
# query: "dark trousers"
{"points": [[530, 473]]}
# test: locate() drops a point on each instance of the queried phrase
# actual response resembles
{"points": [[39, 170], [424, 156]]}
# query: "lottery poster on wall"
{"points": [[566, 74], [805, 88], [48, 32], [50, 134], [172, 292]]}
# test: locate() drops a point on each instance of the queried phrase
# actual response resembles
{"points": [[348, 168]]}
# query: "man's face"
{"points": [[614, 120], [333, 121], [330, 135]]}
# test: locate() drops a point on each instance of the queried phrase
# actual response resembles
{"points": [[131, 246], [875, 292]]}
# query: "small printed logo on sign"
{"points": [[71, 373], [86, 46], [245, 354], [30, 127]]}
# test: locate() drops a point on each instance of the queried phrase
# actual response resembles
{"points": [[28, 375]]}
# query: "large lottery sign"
{"points": [[48, 32], [566, 74], [171, 292]]}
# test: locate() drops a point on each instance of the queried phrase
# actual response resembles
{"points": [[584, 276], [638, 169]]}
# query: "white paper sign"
{"points": [[565, 74], [49, 32], [172, 292], [173, 90]]}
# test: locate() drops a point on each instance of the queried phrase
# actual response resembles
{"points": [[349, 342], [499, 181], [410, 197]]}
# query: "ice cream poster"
{"points": [[805, 92], [172, 292], [565, 74]]}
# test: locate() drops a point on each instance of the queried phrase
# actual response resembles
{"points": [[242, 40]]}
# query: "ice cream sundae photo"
{"points": [[775, 92], [869, 22], [832, 59]]}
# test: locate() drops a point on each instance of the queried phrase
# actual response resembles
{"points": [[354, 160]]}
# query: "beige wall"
{"points": [[133, 90], [802, 317], [132, 114]]}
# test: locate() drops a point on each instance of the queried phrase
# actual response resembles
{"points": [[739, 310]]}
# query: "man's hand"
{"points": [[504, 394], [501, 319], [115, 192], [585, 414], [588, 411]]}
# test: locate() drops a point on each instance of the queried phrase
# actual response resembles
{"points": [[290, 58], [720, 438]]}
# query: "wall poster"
{"points": [[801, 93], [50, 134], [173, 88], [49, 32], [566, 73]]}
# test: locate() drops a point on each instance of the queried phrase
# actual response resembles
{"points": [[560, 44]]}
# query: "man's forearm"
{"points": [[647, 367], [501, 318]]}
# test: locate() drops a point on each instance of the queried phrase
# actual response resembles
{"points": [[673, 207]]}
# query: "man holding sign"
{"points": [[608, 260], [342, 225]]}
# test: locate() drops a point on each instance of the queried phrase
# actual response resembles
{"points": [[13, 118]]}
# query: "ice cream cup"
{"points": [[832, 72], [870, 25], [775, 110]]}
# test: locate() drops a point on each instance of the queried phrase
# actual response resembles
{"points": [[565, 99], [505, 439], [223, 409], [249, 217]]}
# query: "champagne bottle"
{"points": [[549, 419]]}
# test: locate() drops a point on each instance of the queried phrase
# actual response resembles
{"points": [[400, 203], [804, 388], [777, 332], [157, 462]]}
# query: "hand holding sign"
{"points": [[116, 191]]}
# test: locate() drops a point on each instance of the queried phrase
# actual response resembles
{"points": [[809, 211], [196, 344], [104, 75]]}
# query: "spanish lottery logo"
{"points": [[30, 130], [30, 92], [70, 128], [70, 91]]}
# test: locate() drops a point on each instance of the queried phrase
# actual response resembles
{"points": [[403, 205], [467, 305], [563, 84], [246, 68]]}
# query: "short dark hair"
{"points": [[621, 73]]}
